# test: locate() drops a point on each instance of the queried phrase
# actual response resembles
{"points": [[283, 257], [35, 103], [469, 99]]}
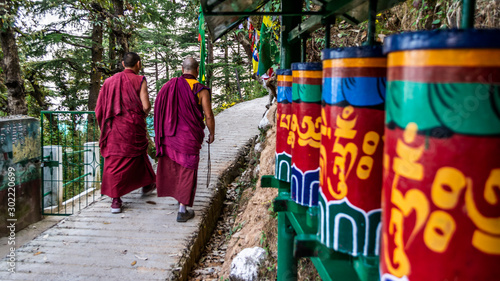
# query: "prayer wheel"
{"points": [[352, 132], [441, 180], [305, 132], [284, 117]]}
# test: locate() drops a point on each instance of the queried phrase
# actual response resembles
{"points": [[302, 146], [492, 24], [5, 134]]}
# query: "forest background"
{"points": [[57, 53]]}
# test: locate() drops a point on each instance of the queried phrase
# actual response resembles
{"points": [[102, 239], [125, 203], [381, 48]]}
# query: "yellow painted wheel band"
{"points": [[355, 62], [446, 57], [308, 73]]}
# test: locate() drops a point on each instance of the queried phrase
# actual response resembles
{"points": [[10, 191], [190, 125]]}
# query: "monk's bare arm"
{"points": [[206, 104], [146, 105]]}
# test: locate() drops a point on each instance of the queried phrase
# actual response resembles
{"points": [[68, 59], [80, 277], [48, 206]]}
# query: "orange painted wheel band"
{"points": [[307, 74], [285, 78], [446, 57], [355, 62]]}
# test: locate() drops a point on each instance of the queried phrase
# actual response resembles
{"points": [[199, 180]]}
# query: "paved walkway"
{"points": [[144, 242]]}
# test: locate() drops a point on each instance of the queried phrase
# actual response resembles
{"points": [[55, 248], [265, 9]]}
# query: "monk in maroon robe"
{"points": [[122, 107], [180, 108]]}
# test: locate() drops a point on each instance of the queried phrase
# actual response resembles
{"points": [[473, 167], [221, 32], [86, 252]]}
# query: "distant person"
{"points": [[180, 107], [122, 107]]}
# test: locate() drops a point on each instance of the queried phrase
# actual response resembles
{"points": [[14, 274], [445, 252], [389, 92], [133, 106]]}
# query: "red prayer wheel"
{"points": [[283, 170], [305, 132], [441, 183], [352, 132]]}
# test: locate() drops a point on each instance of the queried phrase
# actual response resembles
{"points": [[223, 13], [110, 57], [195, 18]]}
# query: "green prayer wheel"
{"points": [[305, 132], [283, 155]]}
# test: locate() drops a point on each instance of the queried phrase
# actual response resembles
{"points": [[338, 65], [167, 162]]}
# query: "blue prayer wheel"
{"points": [[305, 132], [284, 118], [352, 132]]}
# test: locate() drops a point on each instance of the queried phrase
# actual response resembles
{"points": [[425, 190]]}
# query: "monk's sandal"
{"points": [[148, 189], [116, 206], [184, 217]]}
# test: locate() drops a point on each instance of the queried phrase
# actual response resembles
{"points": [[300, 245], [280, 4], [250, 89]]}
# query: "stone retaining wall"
{"points": [[20, 172]]}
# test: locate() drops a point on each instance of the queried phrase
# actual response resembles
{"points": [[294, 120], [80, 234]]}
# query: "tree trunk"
{"points": [[210, 61], [246, 44], [166, 67], [112, 50], [226, 70], [238, 83], [121, 34], [156, 72], [16, 96], [96, 52], [39, 96], [37, 92]]}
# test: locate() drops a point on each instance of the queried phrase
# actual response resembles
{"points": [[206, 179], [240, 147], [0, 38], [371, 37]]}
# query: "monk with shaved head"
{"points": [[181, 109], [122, 107]]}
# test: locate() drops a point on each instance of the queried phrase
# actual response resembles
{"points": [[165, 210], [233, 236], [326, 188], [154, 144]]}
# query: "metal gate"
{"points": [[71, 161]]}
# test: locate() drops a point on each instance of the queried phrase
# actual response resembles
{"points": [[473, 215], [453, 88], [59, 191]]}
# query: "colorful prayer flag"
{"points": [[201, 30], [255, 60], [267, 46], [255, 51], [251, 32]]}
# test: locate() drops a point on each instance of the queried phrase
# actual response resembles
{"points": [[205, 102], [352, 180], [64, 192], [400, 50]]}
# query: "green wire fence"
{"points": [[71, 161]]}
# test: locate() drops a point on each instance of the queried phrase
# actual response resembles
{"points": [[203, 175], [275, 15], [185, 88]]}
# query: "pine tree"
{"points": [[10, 64]]}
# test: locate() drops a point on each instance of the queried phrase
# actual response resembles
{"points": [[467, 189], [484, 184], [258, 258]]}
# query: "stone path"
{"points": [[144, 242]]}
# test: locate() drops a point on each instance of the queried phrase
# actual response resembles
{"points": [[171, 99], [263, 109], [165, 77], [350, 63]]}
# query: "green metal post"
{"points": [[327, 22], [312, 217], [287, 264], [328, 28], [42, 156], [303, 55], [468, 8], [290, 52], [372, 14]]}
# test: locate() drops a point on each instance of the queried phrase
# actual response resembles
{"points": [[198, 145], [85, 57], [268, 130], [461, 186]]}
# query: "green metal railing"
{"points": [[71, 161]]}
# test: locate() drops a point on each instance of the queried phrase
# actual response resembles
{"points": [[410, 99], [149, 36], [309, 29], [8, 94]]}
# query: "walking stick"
{"points": [[209, 168]]}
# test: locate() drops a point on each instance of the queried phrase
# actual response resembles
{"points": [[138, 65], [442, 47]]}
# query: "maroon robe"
{"points": [[178, 137], [123, 141]]}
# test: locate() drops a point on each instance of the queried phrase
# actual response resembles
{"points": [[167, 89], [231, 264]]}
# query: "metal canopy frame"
{"points": [[254, 13], [233, 18], [354, 11]]}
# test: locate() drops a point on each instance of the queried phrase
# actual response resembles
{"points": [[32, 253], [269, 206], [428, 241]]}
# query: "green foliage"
{"points": [[164, 40], [430, 14], [60, 41], [263, 238], [71, 132], [271, 211], [250, 89], [234, 230]]}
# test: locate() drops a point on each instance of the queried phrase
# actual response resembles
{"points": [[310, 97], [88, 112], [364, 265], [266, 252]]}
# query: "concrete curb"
{"points": [[209, 219]]}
